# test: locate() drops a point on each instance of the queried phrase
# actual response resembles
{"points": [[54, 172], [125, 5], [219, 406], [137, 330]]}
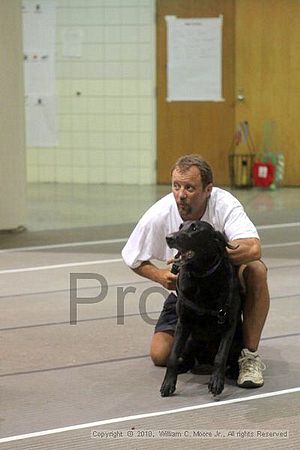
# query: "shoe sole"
{"points": [[250, 385]]}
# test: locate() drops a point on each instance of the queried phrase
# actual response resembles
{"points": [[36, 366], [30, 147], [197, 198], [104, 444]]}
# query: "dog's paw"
{"points": [[216, 384], [167, 388]]}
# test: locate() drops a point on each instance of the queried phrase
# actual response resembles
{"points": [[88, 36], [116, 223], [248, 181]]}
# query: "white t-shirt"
{"points": [[148, 239]]}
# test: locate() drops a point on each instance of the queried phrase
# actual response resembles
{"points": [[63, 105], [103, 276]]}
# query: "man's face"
{"points": [[189, 194]]}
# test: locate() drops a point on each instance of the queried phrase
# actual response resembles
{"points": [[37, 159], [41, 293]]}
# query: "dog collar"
{"points": [[210, 271]]}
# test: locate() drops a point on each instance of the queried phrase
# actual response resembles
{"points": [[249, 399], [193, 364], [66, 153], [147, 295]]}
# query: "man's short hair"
{"points": [[185, 162]]}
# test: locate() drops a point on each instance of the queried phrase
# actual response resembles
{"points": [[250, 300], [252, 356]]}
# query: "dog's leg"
{"points": [[237, 345], [169, 384], [217, 379], [187, 357]]}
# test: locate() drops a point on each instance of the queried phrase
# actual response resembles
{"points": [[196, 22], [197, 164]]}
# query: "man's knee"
{"points": [[158, 359], [161, 346]]}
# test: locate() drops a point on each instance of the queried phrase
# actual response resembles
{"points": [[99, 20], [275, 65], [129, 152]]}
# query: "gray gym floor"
{"points": [[63, 385]]}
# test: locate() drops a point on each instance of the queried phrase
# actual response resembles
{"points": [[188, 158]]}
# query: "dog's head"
{"points": [[197, 239]]}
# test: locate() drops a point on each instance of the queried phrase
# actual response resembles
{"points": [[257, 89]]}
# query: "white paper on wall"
{"points": [[72, 43], [38, 72], [41, 120], [194, 59], [39, 22]]}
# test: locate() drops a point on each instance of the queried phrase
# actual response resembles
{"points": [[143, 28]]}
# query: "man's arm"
{"points": [[246, 250], [162, 276]]}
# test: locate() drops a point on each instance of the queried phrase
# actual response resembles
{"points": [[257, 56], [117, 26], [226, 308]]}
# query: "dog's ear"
{"points": [[220, 239]]}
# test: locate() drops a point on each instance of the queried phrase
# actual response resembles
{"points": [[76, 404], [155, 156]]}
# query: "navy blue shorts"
{"points": [[168, 318]]}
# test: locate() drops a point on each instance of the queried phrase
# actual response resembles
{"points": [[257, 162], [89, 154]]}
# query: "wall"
{"points": [[106, 105], [12, 140]]}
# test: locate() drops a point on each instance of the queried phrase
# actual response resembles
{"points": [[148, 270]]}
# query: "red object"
{"points": [[263, 173]]}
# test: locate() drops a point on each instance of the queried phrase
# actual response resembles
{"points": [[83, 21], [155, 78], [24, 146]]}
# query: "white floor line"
{"points": [[119, 240], [59, 266], [69, 244], [278, 225], [146, 415], [281, 244], [109, 261]]}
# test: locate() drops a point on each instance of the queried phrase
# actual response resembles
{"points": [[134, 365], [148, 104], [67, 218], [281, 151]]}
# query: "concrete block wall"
{"points": [[106, 96]]}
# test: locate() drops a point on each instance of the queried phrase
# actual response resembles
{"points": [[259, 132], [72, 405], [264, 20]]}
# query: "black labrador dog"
{"points": [[208, 305]]}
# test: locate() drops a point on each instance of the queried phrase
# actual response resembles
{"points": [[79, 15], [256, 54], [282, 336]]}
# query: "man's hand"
{"points": [[162, 276], [244, 251], [168, 279]]}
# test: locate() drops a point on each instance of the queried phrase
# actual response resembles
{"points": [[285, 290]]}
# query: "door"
{"points": [[193, 126], [267, 76]]}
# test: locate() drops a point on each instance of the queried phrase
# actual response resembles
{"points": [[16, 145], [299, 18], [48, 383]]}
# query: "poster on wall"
{"points": [[41, 125], [72, 43], [39, 22], [194, 59]]}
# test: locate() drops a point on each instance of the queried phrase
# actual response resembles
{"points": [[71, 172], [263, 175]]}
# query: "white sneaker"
{"points": [[251, 368]]}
